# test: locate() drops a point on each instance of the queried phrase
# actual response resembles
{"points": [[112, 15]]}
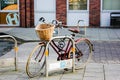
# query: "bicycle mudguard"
{"points": [[84, 39], [81, 39]]}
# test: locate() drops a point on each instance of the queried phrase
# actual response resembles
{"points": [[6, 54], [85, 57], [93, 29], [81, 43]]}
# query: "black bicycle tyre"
{"points": [[83, 43], [40, 66]]}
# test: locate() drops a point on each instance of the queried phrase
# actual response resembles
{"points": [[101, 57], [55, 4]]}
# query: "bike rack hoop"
{"points": [[46, 52], [15, 48]]}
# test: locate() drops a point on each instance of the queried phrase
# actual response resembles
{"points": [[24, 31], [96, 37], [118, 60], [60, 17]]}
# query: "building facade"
{"points": [[26, 13]]}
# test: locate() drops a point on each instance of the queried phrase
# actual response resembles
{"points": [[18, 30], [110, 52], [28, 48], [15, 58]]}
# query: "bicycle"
{"points": [[83, 53]]}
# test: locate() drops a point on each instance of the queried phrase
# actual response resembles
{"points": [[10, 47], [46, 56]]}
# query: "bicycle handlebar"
{"points": [[42, 19], [57, 23]]}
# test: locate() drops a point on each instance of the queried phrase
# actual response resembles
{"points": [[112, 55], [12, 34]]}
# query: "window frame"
{"points": [[102, 10], [9, 11], [77, 10]]}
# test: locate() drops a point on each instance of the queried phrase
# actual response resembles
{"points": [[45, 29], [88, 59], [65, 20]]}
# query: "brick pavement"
{"points": [[106, 52], [103, 66], [100, 67]]}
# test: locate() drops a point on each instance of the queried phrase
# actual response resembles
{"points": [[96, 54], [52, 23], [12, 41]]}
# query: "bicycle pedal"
{"points": [[42, 73], [78, 59], [66, 69]]}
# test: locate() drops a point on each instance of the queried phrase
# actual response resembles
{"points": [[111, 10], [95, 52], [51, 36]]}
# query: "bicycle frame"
{"points": [[66, 49]]}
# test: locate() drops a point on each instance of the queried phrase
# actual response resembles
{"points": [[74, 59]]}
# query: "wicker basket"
{"points": [[45, 31]]}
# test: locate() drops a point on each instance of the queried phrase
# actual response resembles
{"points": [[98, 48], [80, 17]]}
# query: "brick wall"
{"points": [[32, 13], [94, 13], [26, 13], [61, 10], [22, 13]]}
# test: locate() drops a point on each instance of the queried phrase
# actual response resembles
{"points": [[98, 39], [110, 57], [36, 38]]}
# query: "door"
{"points": [[77, 10]]}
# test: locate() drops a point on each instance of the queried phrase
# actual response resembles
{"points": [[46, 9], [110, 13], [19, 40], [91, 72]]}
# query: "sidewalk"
{"points": [[103, 34], [93, 71]]}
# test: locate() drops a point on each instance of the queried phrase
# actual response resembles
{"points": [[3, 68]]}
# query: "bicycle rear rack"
{"points": [[15, 48]]}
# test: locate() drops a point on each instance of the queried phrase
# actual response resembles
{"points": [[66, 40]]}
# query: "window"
{"points": [[111, 5], [9, 13], [77, 4]]}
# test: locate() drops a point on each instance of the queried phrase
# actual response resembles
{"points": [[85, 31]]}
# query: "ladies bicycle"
{"points": [[63, 47]]}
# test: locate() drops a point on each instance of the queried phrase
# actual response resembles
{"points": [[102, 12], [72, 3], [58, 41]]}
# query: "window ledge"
{"points": [[78, 11]]}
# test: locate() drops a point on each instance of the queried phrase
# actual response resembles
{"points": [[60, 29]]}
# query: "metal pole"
{"points": [[15, 49], [46, 61], [73, 50]]}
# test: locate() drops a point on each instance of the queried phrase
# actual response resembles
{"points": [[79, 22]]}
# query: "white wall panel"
{"points": [[46, 9], [105, 19], [72, 18], [48, 16], [45, 5]]}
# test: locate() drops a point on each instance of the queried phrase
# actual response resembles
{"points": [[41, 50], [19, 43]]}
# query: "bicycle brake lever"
{"points": [[60, 24]]}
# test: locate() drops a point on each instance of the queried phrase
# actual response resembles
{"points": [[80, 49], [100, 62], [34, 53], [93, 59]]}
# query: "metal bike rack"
{"points": [[46, 54], [15, 49]]}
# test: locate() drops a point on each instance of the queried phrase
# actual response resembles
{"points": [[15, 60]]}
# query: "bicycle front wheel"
{"points": [[83, 52], [36, 61]]}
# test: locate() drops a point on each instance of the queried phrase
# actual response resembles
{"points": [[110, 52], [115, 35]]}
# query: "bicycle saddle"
{"points": [[74, 30]]}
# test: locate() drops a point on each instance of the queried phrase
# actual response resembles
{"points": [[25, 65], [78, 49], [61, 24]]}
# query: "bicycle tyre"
{"points": [[84, 47], [36, 61]]}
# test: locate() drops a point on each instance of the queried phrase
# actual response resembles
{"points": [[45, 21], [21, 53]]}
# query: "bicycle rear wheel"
{"points": [[83, 52], [36, 61]]}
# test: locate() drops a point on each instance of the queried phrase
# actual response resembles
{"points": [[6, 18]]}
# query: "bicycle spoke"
{"points": [[83, 48], [36, 61]]}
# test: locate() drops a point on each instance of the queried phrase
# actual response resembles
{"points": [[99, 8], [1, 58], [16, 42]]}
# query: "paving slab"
{"points": [[112, 71], [104, 64], [93, 71], [29, 34]]}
